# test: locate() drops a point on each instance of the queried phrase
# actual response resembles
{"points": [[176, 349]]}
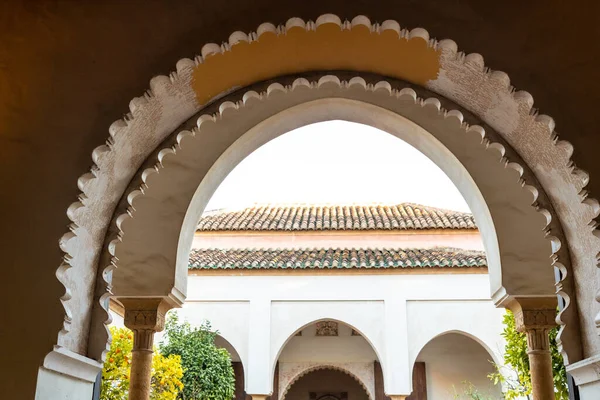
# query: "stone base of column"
{"points": [[398, 396]]}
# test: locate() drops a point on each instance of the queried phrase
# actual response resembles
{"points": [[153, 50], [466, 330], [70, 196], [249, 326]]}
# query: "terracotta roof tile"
{"points": [[334, 258], [355, 217]]}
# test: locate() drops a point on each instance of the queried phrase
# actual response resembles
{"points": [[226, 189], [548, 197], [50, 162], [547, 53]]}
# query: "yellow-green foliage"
{"points": [[166, 377], [166, 371]]}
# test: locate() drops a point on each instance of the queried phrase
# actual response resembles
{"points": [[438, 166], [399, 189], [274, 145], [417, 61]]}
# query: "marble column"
{"points": [[144, 317], [537, 323]]}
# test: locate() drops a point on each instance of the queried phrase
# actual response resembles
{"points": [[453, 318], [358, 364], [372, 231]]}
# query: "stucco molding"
{"points": [[66, 362], [171, 100], [585, 371], [291, 372]]}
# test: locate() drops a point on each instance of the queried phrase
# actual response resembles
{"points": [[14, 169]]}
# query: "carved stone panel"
{"points": [[327, 328]]}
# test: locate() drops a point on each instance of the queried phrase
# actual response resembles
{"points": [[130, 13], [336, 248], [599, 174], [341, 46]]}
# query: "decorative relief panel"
{"points": [[327, 328], [526, 319]]}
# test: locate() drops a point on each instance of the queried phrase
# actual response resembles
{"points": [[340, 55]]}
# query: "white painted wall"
{"points": [[339, 239], [341, 349], [452, 359], [397, 315], [258, 316]]}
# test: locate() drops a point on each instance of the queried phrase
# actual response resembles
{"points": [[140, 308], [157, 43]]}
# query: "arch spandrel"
{"points": [[463, 79]]}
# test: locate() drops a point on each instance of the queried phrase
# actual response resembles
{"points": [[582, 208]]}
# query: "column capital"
{"points": [[533, 312], [145, 314], [535, 319], [144, 317]]}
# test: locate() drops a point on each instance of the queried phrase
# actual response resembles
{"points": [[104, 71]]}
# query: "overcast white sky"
{"points": [[337, 162]]}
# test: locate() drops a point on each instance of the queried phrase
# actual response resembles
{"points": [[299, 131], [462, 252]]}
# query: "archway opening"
{"points": [[238, 367], [300, 207], [326, 384], [328, 345], [454, 365]]}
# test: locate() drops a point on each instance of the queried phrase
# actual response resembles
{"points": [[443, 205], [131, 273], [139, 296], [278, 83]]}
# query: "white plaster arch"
{"points": [[356, 374], [486, 342], [306, 317], [479, 336], [232, 341], [171, 100], [226, 344]]}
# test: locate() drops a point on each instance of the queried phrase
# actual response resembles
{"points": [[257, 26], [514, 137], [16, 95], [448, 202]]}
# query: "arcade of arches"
{"points": [[369, 290], [132, 224]]}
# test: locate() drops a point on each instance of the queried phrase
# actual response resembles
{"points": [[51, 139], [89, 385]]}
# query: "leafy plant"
{"points": [[207, 370], [166, 371], [166, 377], [515, 374]]}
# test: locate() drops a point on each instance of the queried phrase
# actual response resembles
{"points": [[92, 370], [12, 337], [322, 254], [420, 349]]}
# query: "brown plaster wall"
{"points": [[68, 70]]}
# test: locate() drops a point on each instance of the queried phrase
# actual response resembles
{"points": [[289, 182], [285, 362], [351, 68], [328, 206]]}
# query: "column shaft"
{"points": [[536, 323], [141, 365], [540, 364]]}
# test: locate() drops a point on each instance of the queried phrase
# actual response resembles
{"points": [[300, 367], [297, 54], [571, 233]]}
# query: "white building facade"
{"points": [[347, 302]]}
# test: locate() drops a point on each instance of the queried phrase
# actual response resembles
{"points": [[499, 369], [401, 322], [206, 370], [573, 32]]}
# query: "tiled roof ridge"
{"points": [[313, 217], [319, 258]]}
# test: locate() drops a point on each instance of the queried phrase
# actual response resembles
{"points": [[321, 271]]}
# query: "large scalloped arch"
{"points": [[462, 79]]}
